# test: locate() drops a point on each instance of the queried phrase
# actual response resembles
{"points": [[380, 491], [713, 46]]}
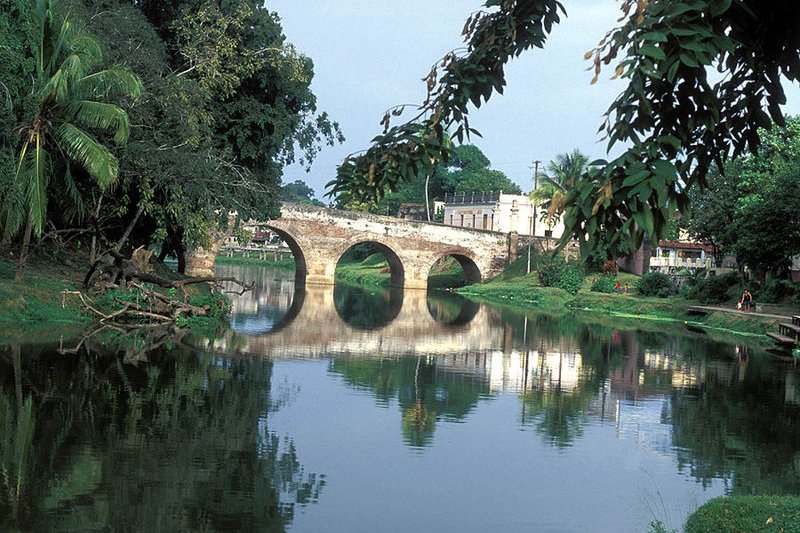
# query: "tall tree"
{"points": [[469, 172], [299, 192], [228, 105], [562, 174], [71, 103]]}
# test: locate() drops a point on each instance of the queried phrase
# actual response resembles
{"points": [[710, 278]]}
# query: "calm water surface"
{"points": [[338, 410]]}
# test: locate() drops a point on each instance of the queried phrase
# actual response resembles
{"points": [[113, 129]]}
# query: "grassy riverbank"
{"points": [[524, 291], [746, 513], [239, 258], [39, 311]]}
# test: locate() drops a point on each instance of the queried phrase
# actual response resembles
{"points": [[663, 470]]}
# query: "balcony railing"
{"points": [[690, 264], [472, 198]]}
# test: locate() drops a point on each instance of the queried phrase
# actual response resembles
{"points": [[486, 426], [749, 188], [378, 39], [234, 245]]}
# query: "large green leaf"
{"points": [[100, 115], [83, 148]]}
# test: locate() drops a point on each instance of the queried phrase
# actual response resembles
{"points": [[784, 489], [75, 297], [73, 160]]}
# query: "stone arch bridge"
{"points": [[318, 237]]}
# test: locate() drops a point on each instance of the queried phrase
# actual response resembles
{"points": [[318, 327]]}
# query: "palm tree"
{"points": [[562, 173], [69, 96]]}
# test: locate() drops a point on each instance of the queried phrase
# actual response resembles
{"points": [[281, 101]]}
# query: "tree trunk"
{"points": [[181, 256], [96, 232], [23, 253], [124, 238]]}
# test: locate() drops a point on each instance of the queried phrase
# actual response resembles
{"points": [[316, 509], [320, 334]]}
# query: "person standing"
{"points": [[747, 300]]}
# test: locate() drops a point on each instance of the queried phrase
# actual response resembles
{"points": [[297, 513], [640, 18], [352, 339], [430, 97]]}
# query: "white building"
{"points": [[499, 212]]}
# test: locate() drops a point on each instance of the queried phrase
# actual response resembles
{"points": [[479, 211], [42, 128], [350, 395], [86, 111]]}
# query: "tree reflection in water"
{"points": [[729, 416], [425, 393], [177, 443]]}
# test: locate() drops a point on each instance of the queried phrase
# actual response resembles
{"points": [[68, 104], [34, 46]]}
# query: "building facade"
{"points": [[504, 213]]}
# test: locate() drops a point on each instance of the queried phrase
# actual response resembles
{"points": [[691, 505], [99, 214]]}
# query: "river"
{"points": [[345, 410]]}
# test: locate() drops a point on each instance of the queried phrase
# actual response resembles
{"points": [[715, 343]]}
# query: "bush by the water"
{"points": [[605, 283], [655, 284], [571, 278], [777, 290], [555, 271], [713, 289]]}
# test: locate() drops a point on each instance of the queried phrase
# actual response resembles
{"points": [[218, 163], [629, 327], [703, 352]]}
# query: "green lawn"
{"points": [[737, 514]]}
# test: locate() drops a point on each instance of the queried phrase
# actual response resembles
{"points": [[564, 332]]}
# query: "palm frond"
{"points": [[74, 206], [56, 88], [115, 81], [85, 150], [12, 209], [87, 48], [100, 115], [57, 45], [40, 17], [32, 177]]}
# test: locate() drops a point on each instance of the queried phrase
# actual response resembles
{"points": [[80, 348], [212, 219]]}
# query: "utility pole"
{"points": [[533, 219]]}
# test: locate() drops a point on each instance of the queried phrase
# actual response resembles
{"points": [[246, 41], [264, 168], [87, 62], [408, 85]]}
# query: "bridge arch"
{"points": [[466, 260], [396, 268], [300, 269]]}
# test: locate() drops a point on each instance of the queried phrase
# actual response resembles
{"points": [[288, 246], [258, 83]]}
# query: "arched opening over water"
{"points": [[451, 271], [300, 269], [370, 263], [273, 303]]}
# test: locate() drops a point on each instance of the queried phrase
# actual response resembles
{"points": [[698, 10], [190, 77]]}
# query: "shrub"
{"points": [[775, 290], [554, 271], [714, 289], [605, 283], [655, 284], [571, 278], [550, 270]]}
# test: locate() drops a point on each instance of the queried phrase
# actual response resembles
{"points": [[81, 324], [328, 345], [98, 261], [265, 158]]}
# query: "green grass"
{"points": [[38, 311], [28, 311], [373, 271], [746, 513], [518, 289], [287, 263]]}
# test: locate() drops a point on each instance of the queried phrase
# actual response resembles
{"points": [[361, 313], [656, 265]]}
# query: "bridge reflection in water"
{"points": [[335, 320]]}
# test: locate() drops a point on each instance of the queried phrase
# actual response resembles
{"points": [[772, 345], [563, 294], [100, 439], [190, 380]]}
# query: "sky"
{"points": [[370, 55]]}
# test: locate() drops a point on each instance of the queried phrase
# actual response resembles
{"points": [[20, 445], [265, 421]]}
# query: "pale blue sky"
{"points": [[372, 54]]}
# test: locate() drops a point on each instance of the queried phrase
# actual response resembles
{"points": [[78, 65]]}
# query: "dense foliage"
{"points": [[655, 284], [468, 171], [226, 104], [713, 289], [751, 209], [675, 119], [555, 271]]}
